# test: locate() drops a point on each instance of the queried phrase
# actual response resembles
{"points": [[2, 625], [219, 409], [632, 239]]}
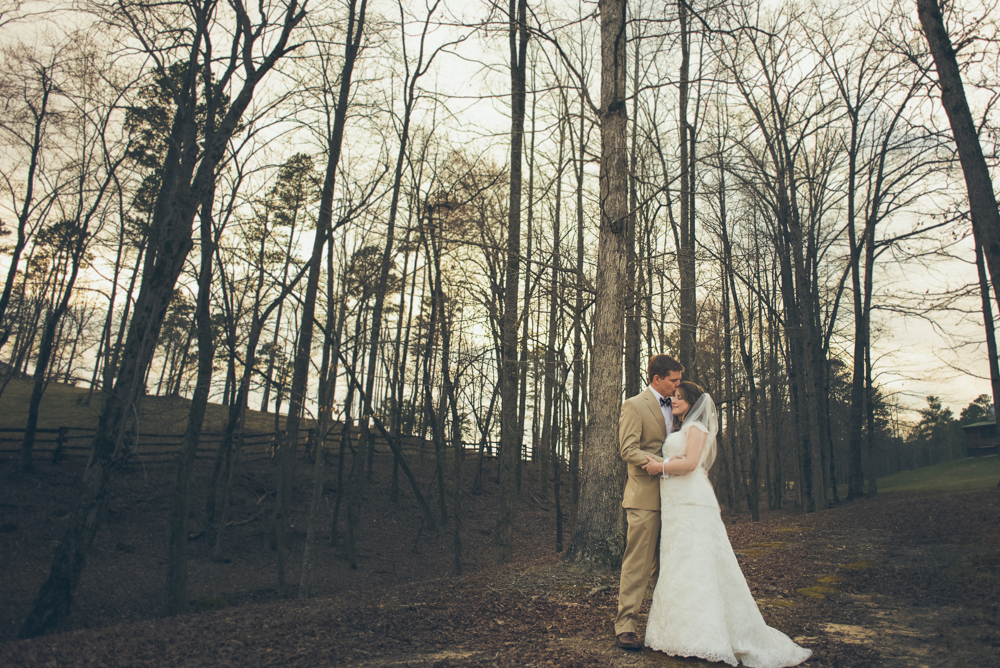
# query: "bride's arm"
{"points": [[681, 465]]}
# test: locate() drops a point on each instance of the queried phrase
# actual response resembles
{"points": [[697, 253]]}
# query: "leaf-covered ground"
{"points": [[905, 579]]}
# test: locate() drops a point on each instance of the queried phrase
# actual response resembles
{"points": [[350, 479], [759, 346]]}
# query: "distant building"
{"points": [[981, 438]]}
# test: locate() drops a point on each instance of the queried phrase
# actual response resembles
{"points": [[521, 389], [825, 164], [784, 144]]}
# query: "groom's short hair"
{"points": [[661, 365]]}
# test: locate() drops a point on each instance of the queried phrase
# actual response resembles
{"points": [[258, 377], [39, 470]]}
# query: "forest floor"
{"points": [[904, 579]]}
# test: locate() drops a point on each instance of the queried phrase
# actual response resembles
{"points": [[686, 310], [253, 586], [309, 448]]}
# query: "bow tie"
{"points": [[664, 401]]}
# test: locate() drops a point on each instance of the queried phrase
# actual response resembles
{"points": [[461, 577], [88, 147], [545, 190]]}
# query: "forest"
{"points": [[467, 224]]}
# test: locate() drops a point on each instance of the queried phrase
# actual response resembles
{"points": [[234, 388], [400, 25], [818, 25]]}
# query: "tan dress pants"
{"points": [[640, 565]]}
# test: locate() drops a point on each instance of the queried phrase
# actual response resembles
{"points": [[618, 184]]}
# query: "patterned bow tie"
{"points": [[664, 401]]}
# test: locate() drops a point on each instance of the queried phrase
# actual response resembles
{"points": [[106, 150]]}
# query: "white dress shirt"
{"points": [[668, 420], [668, 416]]}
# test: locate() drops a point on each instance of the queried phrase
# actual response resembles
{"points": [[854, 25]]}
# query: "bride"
{"points": [[701, 605]]}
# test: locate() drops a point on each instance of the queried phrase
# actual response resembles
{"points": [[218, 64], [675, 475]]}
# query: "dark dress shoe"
{"points": [[629, 640]]}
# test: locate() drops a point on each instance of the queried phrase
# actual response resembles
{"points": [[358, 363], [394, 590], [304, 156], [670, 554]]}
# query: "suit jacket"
{"points": [[641, 431]]}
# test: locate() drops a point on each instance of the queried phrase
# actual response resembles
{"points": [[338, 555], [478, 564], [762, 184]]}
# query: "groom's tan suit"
{"points": [[641, 431]]}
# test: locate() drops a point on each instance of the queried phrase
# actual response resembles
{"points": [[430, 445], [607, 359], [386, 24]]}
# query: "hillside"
{"points": [[65, 405]]}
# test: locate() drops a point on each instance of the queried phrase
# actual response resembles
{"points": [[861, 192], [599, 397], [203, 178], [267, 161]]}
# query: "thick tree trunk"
{"points": [[598, 539]]}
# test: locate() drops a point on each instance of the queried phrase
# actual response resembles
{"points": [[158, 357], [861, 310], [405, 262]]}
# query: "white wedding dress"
{"points": [[702, 605]]}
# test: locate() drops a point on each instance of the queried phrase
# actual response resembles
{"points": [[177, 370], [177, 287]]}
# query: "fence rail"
{"points": [[57, 444]]}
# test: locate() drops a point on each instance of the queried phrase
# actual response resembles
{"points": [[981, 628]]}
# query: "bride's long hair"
{"points": [[701, 412]]}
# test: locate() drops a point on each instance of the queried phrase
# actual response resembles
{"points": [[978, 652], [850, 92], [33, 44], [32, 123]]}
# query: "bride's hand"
{"points": [[652, 466]]}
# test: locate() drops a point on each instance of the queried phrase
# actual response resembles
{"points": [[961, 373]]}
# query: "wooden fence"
{"points": [[65, 442]]}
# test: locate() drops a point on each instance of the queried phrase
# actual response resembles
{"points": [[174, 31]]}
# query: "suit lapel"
{"points": [[655, 414]]}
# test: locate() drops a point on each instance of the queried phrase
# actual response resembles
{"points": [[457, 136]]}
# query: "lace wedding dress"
{"points": [[702, 605]]}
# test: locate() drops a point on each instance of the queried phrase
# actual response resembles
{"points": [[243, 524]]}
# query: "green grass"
{"points": [[62, 405], [960, 475]]}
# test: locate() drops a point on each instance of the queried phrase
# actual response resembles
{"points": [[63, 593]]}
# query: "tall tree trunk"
{"points": [[728, 495], [333, 332], [398, 363], [510, 431], [436, 417], [103, 356], [598, 536], [448, 400], [526, 322], [745, 327], [577, 416], [866, 314], [991, 338], [324, 226], [458, 458], [855, 473], [633, 347], [272, 353], [176, 589], [356, 484], [345, 438], [547, 440], [775, 410], [685, 253]]}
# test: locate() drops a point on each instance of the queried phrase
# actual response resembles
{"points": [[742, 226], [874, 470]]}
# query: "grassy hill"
{"points": [[960, 475], [63, 405]]}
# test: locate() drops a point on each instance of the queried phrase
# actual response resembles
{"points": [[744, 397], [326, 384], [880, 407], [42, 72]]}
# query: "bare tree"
{"points": [[189, 174]]}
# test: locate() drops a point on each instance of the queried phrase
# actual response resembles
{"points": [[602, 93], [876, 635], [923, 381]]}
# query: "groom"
{"points": [[645, 422]]}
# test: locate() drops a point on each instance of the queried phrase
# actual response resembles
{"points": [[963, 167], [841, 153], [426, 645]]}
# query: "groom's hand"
{"points": [[652, 466]]}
